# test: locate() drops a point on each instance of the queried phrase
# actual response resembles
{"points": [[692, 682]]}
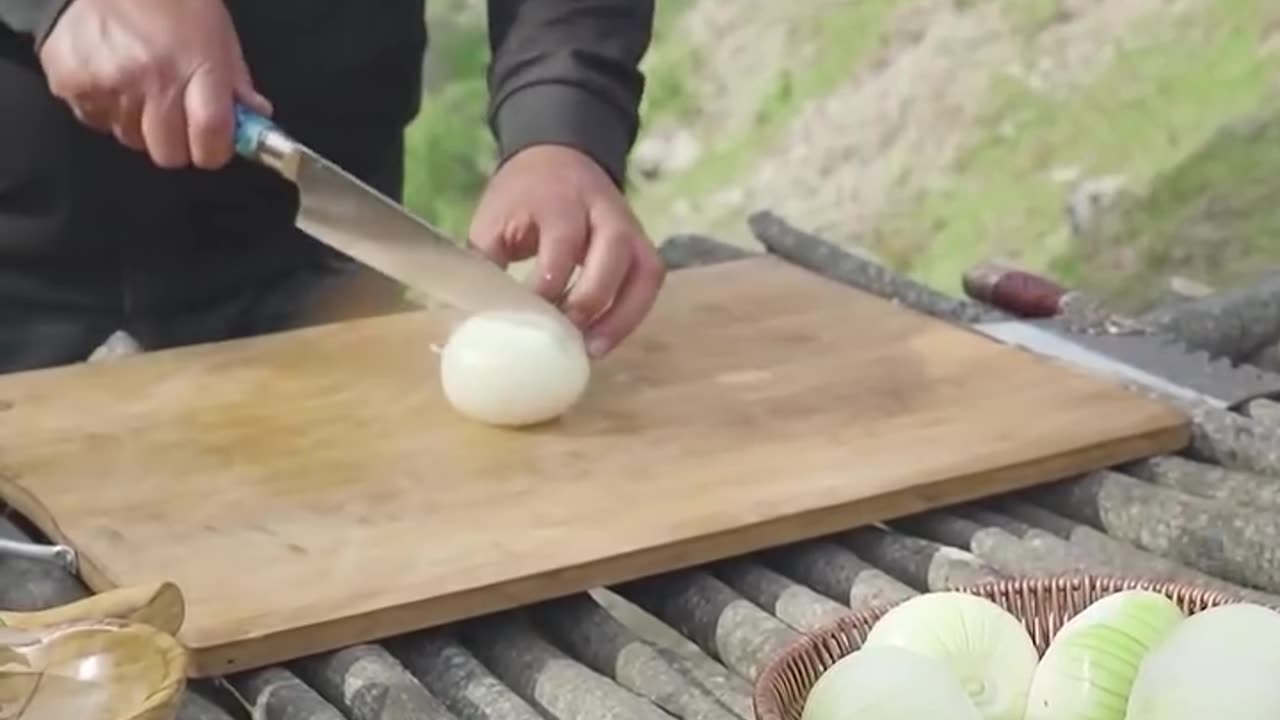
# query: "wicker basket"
{"points": [[1043, 605]]}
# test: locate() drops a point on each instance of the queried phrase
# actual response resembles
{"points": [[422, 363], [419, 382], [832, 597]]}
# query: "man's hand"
{"points": [[159, 74], [557, 204]]}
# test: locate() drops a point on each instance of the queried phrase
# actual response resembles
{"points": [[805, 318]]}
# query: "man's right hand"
{"points": [[161, 75]]}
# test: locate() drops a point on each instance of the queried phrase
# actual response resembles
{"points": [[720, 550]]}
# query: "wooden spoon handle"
{"points": [[159, 605]]}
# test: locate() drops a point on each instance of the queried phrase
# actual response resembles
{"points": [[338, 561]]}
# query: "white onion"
{"points": [[1090, 665], [985, 646], [1223, 662], [888, 683], [513, 368]]}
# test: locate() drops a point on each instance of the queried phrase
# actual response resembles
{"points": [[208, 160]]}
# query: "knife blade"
{"points": [[1153, 360], [354, 218]]}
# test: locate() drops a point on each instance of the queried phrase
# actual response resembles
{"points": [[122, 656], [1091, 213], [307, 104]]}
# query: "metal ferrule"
{"points": [[278, 152]]}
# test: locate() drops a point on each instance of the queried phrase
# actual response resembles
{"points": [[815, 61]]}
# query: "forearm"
{"points": [[567, 72], [31, 17]]}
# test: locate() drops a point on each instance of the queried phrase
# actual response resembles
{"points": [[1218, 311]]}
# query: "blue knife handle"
{"points": [[250, 128]]}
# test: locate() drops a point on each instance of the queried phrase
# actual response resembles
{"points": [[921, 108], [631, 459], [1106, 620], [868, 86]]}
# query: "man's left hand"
{"points": [[557, 204]]}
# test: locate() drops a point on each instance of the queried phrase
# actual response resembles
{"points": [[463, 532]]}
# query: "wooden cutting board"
{"points": [[312, 489]]}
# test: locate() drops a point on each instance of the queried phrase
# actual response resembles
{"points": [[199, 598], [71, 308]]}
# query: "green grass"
{"points": [[668, 93], [843, 39], [1155, 103], [1029, 17], [449, 150], [1214, 217], [1152, 116]]}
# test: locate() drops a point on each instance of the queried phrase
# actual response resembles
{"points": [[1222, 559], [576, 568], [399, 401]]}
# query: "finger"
{"points": [[488, 242], [164, 129], [93, 116], [210, 119], [93, 109], [245, 91], [561, 244], [253, 99], [127, 123], [639, 290], [503, 241], [609, 255]]}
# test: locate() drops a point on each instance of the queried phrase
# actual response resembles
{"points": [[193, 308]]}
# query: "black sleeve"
{"points": [[567, 72], [31, 17]]}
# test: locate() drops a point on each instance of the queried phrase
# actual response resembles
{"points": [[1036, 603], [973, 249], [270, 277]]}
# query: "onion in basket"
{"points": [[1223, 662], [888, 683], [982, 644], [1090, 666]]}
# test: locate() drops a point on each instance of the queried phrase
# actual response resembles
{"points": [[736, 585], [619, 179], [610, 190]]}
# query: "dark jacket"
{"points": [[563, 71]]}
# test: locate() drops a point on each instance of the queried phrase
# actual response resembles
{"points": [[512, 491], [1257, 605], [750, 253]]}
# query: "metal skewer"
{"points": [[62, 555]]}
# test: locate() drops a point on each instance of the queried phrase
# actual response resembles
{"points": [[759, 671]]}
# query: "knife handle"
{"points": [[262, 141], [250, 127], [1015, 291]]}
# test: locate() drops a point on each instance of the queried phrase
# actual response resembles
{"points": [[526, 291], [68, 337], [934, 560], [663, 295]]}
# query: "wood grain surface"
{"points": [[312, 489]]}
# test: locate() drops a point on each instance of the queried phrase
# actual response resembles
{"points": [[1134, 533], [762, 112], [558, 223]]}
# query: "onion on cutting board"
{"points": [[512, 368]]}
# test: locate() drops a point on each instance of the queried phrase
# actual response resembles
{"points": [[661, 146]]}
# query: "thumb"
{"points": [[245, 92]]}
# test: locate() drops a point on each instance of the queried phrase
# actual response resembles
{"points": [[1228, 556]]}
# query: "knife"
{"points": [[1120, 347], [347, 214], [1028, 295]]}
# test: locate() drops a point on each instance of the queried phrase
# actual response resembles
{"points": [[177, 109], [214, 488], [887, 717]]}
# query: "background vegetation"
{"points": [[1113, 143]]}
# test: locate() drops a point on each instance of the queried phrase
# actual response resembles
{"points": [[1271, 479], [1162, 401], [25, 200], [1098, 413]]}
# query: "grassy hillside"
{"points": [[1150, 116], [449, 149], [1214, 216], [934, 132]]}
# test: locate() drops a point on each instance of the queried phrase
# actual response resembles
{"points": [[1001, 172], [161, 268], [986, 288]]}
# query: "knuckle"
{"points": [[130, 73], [519, 224], [150, 74], [587, 301], [209, 159], [72, 86], [62, 86], [168, 154], [489, 244], [650, 267], [485, 240], [208, 124], [129, 140], [166, 159]]}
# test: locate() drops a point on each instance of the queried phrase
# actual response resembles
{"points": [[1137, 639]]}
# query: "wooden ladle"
{"points": [[160, 605], [111, 656]]}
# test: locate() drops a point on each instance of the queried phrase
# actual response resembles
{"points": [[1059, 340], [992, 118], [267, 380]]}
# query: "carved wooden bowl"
{"points": [[108, 657]]}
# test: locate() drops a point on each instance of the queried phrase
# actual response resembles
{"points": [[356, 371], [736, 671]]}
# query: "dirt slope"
{"points": [[937, 132]]}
